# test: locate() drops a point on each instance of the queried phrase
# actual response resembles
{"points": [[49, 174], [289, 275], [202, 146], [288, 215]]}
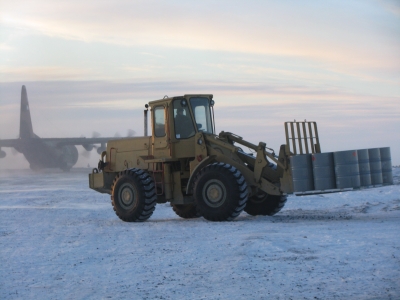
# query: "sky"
{"points": [[90, 66]]}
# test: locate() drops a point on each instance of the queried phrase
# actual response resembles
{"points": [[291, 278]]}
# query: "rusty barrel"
{"points": [[323, 171], [302, 173], [386, 162], [346, 169], [363, 164], [375, 166]]}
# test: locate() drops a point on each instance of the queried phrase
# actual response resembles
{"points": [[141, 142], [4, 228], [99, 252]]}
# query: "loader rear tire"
{"points": [[220, 192], [186, 211], [265, 204], [133, 195]]}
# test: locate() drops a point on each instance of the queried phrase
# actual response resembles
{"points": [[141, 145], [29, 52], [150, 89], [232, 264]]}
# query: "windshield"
{"points": [[202, 113]]}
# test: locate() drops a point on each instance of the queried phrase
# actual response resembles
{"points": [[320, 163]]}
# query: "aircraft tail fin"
{"points": [[25, 125]]}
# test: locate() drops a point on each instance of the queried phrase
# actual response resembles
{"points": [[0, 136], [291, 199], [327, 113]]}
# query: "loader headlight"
{"points": [[212, 102], [200, 141], [183, 103]]}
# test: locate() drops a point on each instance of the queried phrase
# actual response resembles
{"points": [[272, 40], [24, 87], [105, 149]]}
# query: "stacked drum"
{"points": [[340, 170], [386, 162], [324, 171], [302, 173], [364, 166], [375, 166], [347, 170]]}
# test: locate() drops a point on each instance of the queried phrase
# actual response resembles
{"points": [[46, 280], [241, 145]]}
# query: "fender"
{"points": [[197, 169]]}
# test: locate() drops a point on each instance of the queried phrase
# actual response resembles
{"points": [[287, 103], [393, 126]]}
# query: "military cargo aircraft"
{"points": [[47, 152]]}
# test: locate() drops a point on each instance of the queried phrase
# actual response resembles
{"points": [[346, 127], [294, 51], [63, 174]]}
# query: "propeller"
{"points": [[88, 148], [130, 133], [96, 134]]}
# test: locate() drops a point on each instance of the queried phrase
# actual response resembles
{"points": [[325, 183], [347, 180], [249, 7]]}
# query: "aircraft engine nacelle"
{"points": [[101, 148], [2, 154], [69, 157], [88, 147]]}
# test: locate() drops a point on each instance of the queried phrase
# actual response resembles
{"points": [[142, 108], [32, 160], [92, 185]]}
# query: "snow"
{"points": [[61, 240]]}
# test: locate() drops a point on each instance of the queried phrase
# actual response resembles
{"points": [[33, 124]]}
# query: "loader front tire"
{"points": [[265, 204], [220, 192], [133, 195], [186, 211]]}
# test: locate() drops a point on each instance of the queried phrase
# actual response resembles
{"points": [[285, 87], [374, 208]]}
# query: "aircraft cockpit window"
{"points": [[159, 121]]}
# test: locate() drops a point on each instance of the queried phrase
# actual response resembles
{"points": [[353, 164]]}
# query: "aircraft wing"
{"points": [[78, 141], [10, 143], [58, 141]]}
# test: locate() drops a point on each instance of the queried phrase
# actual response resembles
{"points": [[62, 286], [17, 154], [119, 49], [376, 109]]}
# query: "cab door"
{"points": [[183, 131], [160, 131]]}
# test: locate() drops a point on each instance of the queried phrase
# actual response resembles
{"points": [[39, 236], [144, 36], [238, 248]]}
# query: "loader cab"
{"points": [[192, 114], [176, 121]]}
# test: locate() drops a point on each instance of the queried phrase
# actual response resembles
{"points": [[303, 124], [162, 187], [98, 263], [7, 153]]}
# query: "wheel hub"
{"points": [[214, 193], [127, 196]]}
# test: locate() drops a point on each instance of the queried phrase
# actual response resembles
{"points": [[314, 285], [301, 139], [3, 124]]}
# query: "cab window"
{"points": [[159, 121], [202, 114], [183, 123]]}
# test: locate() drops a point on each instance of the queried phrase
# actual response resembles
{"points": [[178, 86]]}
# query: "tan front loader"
{"points": [[185, 163]]}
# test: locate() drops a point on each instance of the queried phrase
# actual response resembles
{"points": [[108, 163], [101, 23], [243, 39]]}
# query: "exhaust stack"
{"points": [[145, 119]]}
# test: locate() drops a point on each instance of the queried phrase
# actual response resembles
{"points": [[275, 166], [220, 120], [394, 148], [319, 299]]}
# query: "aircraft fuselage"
{"points": [[41, 154], [47, 152]]}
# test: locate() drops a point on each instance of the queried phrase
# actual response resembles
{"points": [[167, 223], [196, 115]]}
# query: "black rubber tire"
{"points": [[265, 204], [139, 191], [186, 211], [220, 192]]}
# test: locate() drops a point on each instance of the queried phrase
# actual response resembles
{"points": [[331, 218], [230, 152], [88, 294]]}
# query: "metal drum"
{"points": [[365, 171], [324, 171], [346, 169], [375, 166], [302, 173], [386, 162]]}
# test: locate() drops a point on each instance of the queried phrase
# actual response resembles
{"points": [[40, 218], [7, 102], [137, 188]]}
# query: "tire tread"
{"points": [[240, 190], [146, 189]]}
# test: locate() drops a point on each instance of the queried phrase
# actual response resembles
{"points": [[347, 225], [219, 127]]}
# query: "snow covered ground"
{"points": [[61, 240]]}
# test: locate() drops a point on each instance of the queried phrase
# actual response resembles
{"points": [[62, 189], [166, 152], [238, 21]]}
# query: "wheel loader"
{"points": [[184, 162]]}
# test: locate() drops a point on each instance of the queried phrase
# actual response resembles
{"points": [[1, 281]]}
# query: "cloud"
{"points": [[5, 47], [392, 6], [331, 34], [44, 72]]}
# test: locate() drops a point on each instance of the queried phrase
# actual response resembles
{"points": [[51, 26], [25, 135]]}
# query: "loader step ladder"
{"points": [[158, 168], [302, 135]]}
